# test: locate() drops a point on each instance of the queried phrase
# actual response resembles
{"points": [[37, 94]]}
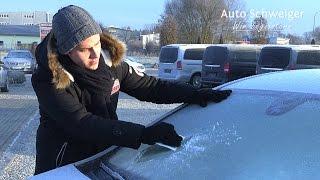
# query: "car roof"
{"points": [[188, 46], [306, 47], [239, 47], [301, 81], [293, 47], [20, 51]]}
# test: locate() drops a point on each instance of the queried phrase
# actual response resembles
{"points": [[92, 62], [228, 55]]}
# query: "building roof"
{"points": [[19, 30]]}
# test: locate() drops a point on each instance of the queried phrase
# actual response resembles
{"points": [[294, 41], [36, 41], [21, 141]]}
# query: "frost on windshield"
{"points": [[287, 102], [192, 151], [194, 144]]}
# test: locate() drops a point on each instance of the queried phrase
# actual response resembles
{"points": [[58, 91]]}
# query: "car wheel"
{"points": [[196, 81]]}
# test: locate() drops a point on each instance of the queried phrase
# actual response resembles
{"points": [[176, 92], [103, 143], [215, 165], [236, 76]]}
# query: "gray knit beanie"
{"points": [[71, 25]]}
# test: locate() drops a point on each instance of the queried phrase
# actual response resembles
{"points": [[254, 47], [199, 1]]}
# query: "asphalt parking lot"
{"points": [[19, 119]]}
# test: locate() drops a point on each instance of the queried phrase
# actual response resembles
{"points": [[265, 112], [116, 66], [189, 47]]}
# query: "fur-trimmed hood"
{"points": [[47, 57]]}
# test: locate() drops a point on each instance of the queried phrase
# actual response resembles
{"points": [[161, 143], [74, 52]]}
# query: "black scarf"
{"points": [[96, 82]]}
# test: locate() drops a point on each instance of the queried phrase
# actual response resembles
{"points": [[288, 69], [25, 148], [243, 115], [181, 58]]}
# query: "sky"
{"points": [[297, 26], [138, 14]]}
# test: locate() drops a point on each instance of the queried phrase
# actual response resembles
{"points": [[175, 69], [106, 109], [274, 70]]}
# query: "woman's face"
{"points": [[87, 53]]}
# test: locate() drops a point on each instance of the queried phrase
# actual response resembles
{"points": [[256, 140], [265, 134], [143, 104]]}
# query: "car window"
{"points": [[252, 134], [308, 57], [19, 55], [244, 56], [168, 55], [275, 57], [193, 54], [215, 55]]}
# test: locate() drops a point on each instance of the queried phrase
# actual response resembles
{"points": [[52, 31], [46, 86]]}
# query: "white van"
{"points": [[182, 62]]}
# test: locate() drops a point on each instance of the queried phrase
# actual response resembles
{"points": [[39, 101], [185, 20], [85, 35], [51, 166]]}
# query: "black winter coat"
{"points": [[68, 131]]}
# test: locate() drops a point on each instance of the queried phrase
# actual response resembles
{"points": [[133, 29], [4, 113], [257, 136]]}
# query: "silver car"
{"points": [[20, 60], [4, 80], [138, 66], [267, 129]]}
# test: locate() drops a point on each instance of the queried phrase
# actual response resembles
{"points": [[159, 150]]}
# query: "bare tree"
{"points": [[134, 46], [152, 48], [168, 30], [307, 37], [234, 29], [199, 21], [295, 39], [151, 28], [316, 35], [259, 30], [312, 36], [125, 34]]}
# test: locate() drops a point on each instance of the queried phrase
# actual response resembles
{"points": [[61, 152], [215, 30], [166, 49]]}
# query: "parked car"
{"points": [[182, 62], [4, 80], [267, 129], [140, 67], [226, 62], [279, 58], [20, 60]]}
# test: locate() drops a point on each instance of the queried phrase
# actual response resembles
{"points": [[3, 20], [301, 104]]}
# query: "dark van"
{"points": [[227, 62], [279, 58]]}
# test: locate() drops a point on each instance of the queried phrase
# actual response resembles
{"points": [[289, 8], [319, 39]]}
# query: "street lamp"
{"points": [[314, 22]]}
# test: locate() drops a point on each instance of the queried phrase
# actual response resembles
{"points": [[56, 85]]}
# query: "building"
{"points": [[25, 18], [134, 39], [18, 36], [123, 34], [279, 41], [154, 37]]}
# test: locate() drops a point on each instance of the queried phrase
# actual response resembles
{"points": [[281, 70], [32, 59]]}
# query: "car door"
{"points": [[214, 65], [243, 63]]}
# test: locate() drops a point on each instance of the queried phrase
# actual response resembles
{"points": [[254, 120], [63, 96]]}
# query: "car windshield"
{"points": [[272, 135], [215, 55], [308, 57], [275, 57], [168, 55], [19, 55]]}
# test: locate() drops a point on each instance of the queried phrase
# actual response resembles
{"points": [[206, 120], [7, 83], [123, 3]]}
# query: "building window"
{"points": [[28, 16], [4, 15]]}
